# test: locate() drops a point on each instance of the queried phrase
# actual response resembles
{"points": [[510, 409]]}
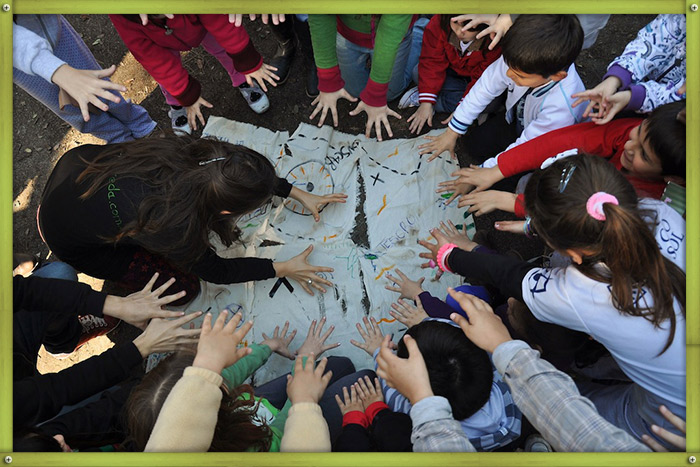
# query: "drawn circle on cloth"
{"points": [[311, 176]]}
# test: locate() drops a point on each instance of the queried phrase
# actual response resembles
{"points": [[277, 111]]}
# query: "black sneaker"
{"points": [[312, 82], [283, 59]]}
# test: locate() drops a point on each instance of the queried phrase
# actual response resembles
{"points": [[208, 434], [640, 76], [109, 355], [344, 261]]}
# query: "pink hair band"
{"points": [[594, 205]]}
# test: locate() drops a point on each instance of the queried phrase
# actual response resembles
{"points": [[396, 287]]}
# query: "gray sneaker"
{"points": [[178, 120], [255, 97], [410, 98]]}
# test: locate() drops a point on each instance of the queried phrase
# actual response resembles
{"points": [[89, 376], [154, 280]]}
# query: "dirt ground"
{"points": [[40, 137]]}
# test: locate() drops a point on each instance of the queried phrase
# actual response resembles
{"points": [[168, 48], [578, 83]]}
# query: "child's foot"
{"points": [[409, 99], [255, 97], [178, 119]]}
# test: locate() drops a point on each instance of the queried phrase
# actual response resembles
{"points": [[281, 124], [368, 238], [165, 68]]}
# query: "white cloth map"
{"points": [[399, 206]]}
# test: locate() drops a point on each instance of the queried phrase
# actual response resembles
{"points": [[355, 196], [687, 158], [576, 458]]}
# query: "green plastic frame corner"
{"points": [[10, 7]]}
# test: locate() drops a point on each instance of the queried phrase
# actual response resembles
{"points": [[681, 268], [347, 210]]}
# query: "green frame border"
{"points": [[346, 6]]}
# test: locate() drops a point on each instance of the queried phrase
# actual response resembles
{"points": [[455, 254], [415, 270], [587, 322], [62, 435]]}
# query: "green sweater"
{"points": [[237, 373]]}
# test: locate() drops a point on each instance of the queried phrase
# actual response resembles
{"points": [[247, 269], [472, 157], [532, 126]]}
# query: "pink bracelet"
{"points": [[442, 254]]}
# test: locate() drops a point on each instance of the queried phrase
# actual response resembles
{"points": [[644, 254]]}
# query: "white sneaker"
{"points": [[409, 98], [178, 120], [255, 97]]}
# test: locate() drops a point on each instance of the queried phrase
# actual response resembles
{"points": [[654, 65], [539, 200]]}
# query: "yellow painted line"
{"points": [[381, 273], [383, 206]]}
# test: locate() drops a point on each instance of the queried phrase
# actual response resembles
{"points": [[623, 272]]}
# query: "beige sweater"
{"points": [[188, 418]]}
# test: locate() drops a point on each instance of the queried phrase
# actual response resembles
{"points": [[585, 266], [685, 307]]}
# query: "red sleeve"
{"points": [[433, 62], [478, 62], [162, 64], [234, 40], [356, 417], [600, 140], [519, 208], [374, 408]]}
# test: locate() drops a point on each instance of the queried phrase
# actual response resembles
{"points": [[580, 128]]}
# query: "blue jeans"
{"points": [[353, 60], [451, 93]]}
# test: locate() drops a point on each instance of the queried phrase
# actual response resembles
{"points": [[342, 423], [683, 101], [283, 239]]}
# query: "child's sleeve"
{"points": [[162, 64], [390, 32], [491, 85], [433, 62], [235, 41], [323, 30], [246, 366], [32, 54], [435, 307], [213, 268], [306, 430], [477, 64]]}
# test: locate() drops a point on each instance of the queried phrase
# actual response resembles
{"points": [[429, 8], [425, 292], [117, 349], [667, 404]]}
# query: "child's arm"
{"points": [[235, 374], [433, 62]]}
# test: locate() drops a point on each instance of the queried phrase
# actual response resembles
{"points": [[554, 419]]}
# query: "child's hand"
{"points": [[456, 189], [218, 344], [612, 106], [484, 328], [139, 307], [453, 235], [351, 401], [329, 101], [315, 342], [194, 112], [308, 384], [597, 95], [675, 440], [424, 114], [488, 201], [480, 177], [407, 314], [167, 335], [432, 247], [299, 269], [372, 336], [279, 343], [262, 74], [369, 394], [409, 375], [237, 20], [516, 227], [439, 144], [144, 18], [376, 117], [314, 203], [86, 86], [406, 287]]}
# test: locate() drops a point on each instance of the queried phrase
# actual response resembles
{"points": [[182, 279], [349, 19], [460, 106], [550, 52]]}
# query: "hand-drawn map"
{"points": [[391, 204]]}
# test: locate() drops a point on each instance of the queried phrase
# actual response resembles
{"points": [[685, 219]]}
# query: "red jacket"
{"points": [[437, 55], [157, 50], [606, 141]]}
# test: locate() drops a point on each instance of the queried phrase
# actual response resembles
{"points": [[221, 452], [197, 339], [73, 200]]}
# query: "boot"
{"points": [[302, 31], [286, 48]]}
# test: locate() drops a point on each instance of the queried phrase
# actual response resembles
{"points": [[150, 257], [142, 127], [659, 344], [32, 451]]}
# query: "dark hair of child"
{"points": [[665, 133], [623, 241], [459, 371], [542, 44], [194, 181], [235, 432]]}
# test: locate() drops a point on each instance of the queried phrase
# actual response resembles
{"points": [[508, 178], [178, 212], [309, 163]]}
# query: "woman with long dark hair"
{"points": [[124, 211]]}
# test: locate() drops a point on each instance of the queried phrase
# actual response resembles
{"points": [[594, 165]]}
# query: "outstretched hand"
{"points": [[371, 335], [481, 178], [218, 344], [139, 307], [315, 342], [326, 101], [405, 286], [299, 269], [439, 144], [279, 342], [376, 117], [194, 112], [314, 203], [488, 201], [167, 335], [407, 314], [85, 87], [308, 384], [261, 75]]}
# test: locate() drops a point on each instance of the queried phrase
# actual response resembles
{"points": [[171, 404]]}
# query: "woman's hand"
{"points": [[315, 203], [326, 101], [372, 336], [673, 439], [351, 401], [139, 307], [194, 112], [488, 201], [406, 287], [299, 269], [376, 117], [439, 144], [85, 87], [167, 335], [262, 74], [424, 114], [407, 314], [218, 344], [279, 342], [315, 343]]}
